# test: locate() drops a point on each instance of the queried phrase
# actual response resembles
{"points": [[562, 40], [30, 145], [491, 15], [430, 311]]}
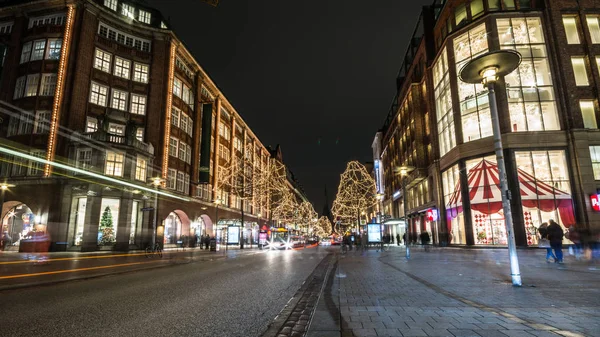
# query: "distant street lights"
{"points": [[403, 171], [487, 69]]}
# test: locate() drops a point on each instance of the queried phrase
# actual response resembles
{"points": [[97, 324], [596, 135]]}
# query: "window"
{"points": [[42, 122], [138, 104], [48, 85], [183, 122], [460, 14], [180, 181], [598, 61], [163, 25], [119, 100], [26, 52], [224, 152], [53, 19], [186, 183], [6, 27], [83, 159], [36, 167], [144, 16], [588, 112], [123, 38], [32, 85], [570, 25], [19, 87], [102, 60], [581, 78], [177, 87], [127, 10], [122, 67], [175, 113], [116, 129], [182, 150], [188, 154], [139, 134], [53, 52], [173, 146], [443, 104], [140, 73], [140, 169], [595, 154], [190, 128], [476, 8], [114, 164], [112, 4], [172, 179], [92, 125], [99, 94], [508, 4], [594, 27], [39, 46], [224, 131]]}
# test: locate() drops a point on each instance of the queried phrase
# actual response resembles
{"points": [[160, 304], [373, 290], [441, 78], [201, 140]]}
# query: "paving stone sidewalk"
{"points": [[457, 292]]}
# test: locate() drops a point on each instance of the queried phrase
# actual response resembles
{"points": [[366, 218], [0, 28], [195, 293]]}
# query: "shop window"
{"points": [[79, 220], [594, 28], [476, 8], [172, 229], [109, 220], [460, 14], [588, 112], [114, 164], [570, 24], [595, 155], [581, 77], [136, 218], [453, 202], [530, 88]]}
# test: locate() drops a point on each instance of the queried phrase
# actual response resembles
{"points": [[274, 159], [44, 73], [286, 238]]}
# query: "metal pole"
{"points": [[407, 231], [512, 249], [155, 216]]}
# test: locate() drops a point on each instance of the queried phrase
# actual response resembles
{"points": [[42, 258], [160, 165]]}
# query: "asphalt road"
{"points": [[228, 297]]}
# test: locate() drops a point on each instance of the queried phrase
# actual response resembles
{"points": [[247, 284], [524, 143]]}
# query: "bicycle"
{"points": [[154, 250]]}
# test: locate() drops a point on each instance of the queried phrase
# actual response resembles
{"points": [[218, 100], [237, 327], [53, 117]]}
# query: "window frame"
{"points": [[119, 99], [117, 166]]}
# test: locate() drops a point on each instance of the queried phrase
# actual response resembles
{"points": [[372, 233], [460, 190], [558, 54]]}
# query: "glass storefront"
{"points": [[443, 104], [109, 220], [17, 224], [172, 228], [79, 220], [136, 218], [453, 201]]}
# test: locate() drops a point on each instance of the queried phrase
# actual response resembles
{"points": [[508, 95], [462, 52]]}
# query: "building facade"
{"points": [[104, 114], [548, 110]]}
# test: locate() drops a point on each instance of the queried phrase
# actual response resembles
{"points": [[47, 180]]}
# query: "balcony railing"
{"points": [[103, 136]]}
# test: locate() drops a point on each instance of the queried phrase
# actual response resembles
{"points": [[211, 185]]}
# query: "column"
{"points": [[124, 223], [92, 220]]}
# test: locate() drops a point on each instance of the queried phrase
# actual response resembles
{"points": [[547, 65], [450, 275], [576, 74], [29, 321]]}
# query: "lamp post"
{"points": [[156, 182], [403, 171], [217, 202], [487, 69]]}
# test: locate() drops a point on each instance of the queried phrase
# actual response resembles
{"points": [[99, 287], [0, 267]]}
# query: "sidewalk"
{"points": [[458, 292]]}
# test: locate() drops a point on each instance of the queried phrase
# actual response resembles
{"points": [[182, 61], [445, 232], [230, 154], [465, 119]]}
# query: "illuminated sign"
{"points": [[233, 234], [595, 199], [432, 214], [396, 195], [374, 232]]}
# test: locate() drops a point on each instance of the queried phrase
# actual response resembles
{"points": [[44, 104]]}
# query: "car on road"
{"points": [[325, 242]]}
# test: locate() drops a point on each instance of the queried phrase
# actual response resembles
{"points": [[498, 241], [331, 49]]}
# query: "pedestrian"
{"points": [[425, 238], [206, 241], [398, 239], [555, 235], [543, 235], [573, 234]]}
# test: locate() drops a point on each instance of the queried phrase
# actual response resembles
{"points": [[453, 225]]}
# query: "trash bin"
{"points": [[213, 245]]}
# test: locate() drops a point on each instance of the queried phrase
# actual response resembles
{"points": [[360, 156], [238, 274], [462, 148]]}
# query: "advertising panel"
{"points": [[233, 234], [374, 232]]}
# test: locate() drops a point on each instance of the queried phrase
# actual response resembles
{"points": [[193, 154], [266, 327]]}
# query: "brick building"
{"points": [[104, 114], [441, 126]]}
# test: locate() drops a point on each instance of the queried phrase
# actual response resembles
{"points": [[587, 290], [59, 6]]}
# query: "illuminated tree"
{"points": [[322, 227], [356, 193], [106, 228]]}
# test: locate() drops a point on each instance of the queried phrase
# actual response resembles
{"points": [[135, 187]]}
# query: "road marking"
{"points": [[73, 270], [79, 258]]}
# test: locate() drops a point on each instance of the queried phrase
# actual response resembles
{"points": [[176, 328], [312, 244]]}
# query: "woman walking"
{"points": [[543, 231]]}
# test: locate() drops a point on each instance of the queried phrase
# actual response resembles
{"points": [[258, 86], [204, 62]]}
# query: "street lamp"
{"points": [[217, 203], [487, 69], [403, 171], [156, 182]]}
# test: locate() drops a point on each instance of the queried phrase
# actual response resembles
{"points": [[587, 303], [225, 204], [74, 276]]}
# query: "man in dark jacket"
{"points": [[555, 235]]}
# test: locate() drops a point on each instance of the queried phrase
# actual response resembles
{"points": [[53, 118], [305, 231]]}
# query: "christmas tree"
{"points": [[106, 228]]}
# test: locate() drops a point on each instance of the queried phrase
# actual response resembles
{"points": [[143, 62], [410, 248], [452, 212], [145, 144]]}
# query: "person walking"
{"points": [[398, 239], [555, 235], [543, 232], [573, 234], [425, 240]]}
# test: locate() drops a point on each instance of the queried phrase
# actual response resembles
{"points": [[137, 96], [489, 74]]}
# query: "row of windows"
{"points": [[121, 67], [183, 67], [118, 99], [224, 152], [224, 131], [129, 11], [53, 19], [179, 149], [181, 120], [184, 92], [123, 38], [237, 144], [113, 128], [178, 180], [6, 27], [30, 85], [36, 50], [28, 123]]}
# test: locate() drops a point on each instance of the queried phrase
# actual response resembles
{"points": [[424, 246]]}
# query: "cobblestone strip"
{"points": [[295, 317]]}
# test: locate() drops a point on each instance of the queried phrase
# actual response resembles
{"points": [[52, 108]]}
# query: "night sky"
{"points": [[316, 77]]}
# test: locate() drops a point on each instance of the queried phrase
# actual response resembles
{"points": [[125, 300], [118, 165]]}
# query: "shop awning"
{"points": [[486, 197]]}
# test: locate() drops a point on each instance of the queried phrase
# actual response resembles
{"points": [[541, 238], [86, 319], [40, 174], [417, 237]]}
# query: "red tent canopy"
{"points": [[486, 197]]}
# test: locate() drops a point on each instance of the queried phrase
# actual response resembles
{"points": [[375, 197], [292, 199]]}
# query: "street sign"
{"points": [[146, 209]]}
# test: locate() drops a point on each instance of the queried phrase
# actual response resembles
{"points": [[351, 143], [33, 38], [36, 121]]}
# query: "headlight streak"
{"points": [[91, 174]]}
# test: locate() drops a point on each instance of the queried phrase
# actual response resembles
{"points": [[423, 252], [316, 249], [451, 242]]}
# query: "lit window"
{"points": [[53, 19], [48, 85], [116, 129], [182, 150], [26, 52], [99, 94], [39, 47], [20, 87], [102, 60], [32, 85], [163, 25], [92, 125], [594, 27], [494, 5], [119, 100], [508, 4], [112, 4], [175, 117], [140, 73], [140, 169], [177, 87], [127, 10], [173, 146], [184, 122], [114, 164], [581, 78], [84, 159], [588, 112], [138, 104], [570, 25], [139, 134], [53, 52], [144, 16], [595, 154], [476, 7], [460, 14], [180, 181], [42, 122], [122, 67]]}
